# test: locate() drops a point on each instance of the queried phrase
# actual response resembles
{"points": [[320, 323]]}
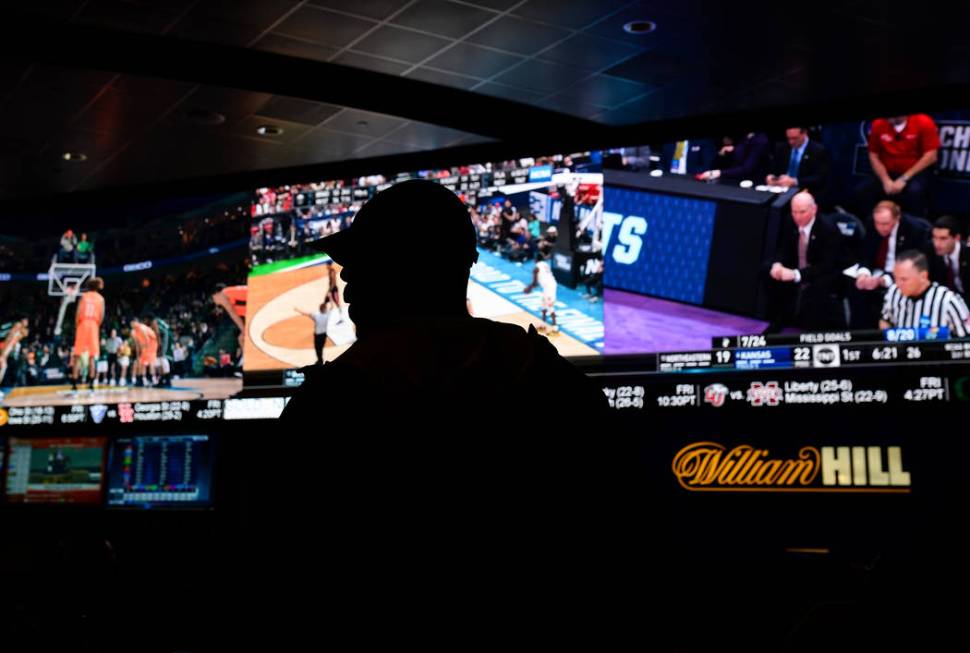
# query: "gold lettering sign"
{"points": [[711, 467]]}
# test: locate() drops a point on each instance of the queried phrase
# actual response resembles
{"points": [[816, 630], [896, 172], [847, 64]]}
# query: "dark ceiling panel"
{"points": [[326, 145], [518, 35], [383, 148], [60, 9], [653, 68], [473, 60], [368, 62], [448, 19], [574, 14], [497, 5], [540, 76], [296, 110], [151, 16], [571, 107], [292, 47], [402, 44], [604, 91], [510, 93], [376, 9], [232, 103], [364, 123], [589, 52], [323, 27], [443, 78], [117, 110], [426, 136]]}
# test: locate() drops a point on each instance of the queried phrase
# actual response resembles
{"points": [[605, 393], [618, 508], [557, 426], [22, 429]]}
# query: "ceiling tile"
{"points": [[367, 62], [443, 78], [540, 76], [473, 60], [401, 44], [445, 18], [297, 110], [151, 16], [497, 5], [426, 136], [324, 27], [510, 93], [232, 103], [589, 52], [574, 14], [604, 91], [517, 35], [365, 123], [385, 148], [376, 9], [295, 48], [327, 145]]}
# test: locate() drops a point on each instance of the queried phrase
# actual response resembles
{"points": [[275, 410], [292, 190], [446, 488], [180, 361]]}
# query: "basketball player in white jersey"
{"points": [[543, 277]]}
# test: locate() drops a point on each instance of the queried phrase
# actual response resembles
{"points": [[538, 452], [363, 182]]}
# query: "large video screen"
{"points": [[140, 303], [56, 470], [528, 213], [798, 230]]}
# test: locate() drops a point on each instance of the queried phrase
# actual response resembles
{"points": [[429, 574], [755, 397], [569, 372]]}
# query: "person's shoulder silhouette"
{"points": [[406, 261]]}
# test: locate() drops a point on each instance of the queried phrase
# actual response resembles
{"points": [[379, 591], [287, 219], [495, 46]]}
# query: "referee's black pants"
{"points": [[319, 342]]}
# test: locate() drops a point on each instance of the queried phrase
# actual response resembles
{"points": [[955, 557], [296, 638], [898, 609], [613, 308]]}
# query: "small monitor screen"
{"points": [[160, 470], [56, 470]]}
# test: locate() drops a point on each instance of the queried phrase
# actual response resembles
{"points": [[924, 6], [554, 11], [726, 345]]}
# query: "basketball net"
{"points": [[71, 292]]}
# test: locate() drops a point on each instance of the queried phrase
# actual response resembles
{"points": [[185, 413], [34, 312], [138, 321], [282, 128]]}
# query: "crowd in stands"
{"points": [[286, 218], [159, 238]]}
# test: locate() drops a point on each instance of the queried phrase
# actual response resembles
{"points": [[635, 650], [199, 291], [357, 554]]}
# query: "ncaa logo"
{"points": [[98, 412], [826, 356], [715, 394]]}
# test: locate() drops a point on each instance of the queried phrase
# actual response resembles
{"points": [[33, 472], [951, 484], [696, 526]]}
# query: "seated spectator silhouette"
{"points": [[454, 454]]}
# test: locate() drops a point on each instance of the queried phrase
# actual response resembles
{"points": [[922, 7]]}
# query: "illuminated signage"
{"points": [[712, 467]]}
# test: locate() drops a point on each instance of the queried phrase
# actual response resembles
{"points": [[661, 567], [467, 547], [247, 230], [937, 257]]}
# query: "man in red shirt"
{"points": [[902, 149]]}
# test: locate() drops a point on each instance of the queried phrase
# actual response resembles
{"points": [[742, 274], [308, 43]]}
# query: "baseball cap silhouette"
{"points": [[409, 218]]}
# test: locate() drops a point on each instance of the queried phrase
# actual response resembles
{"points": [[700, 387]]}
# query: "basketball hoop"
{"points": [[62, 276]]}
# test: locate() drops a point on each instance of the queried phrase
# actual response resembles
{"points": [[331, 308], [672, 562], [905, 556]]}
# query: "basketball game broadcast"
{"points": [[95, 315], [539, 228]]}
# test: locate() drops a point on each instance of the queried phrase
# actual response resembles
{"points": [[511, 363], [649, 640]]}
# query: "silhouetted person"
{"points": [[465, 474]]}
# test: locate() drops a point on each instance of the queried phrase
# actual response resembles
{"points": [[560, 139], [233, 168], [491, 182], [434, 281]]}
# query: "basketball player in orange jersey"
{"points": [[87, 332], [233, 300], [146, 351]]}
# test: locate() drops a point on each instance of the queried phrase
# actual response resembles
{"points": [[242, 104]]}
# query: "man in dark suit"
{"points": [[801, 162], [951, 265], [888, 234], [803, 288]]}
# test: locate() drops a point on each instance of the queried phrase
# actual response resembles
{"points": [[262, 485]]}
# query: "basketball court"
{"points": [[279, 338], [62, 395]]}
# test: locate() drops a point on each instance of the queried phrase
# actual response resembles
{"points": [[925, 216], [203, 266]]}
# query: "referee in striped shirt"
{"points": [[915, 301]]}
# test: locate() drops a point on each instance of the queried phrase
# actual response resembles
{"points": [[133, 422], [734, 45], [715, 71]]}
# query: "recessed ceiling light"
{"points": [[75, 157], [269, 130], [640, 27]]}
